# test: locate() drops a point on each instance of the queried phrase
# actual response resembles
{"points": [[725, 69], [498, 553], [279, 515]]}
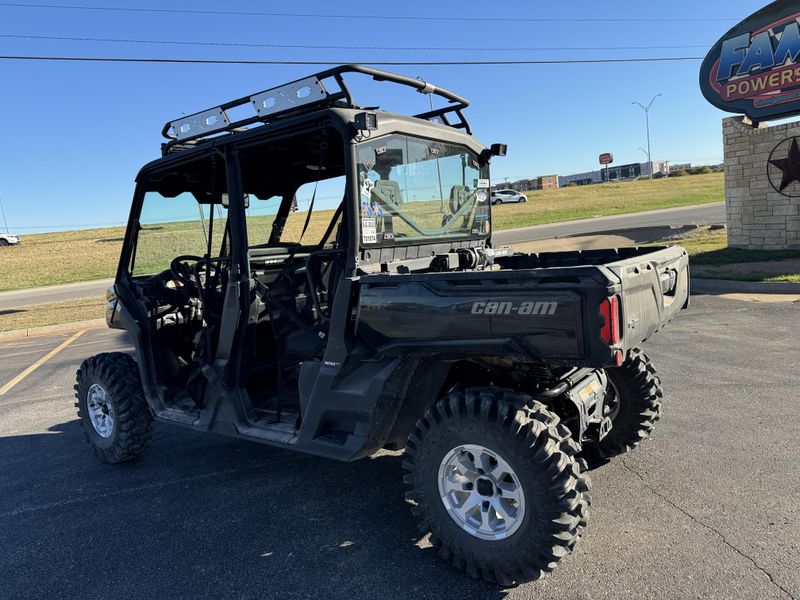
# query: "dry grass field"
{"points": [[69, 256], [605, 199]]}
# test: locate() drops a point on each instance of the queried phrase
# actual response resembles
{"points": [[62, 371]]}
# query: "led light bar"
{"points": [[269, 102], [289, 96], [208, 121]]}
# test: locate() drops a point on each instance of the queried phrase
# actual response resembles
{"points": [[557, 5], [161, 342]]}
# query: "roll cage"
{"points": [[301, 96]]}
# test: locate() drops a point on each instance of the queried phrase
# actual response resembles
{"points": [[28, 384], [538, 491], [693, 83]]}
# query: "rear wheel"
{"points": [[498, 202], [112, 408], [634, 404], [3, 242], [495, 479]]}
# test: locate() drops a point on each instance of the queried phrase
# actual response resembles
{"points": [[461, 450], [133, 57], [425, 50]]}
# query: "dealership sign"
{"points": [[755, 68]]}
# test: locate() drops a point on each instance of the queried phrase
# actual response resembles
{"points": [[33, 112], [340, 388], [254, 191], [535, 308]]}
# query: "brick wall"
{"points": [[758, 216]]}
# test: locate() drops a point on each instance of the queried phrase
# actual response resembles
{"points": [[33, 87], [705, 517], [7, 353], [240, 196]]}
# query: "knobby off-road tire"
{"points": [[112, 408], [639, 405], [524, 437]]}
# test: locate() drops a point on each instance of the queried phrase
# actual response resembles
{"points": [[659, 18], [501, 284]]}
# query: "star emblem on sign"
{"points": [[789, 166]]}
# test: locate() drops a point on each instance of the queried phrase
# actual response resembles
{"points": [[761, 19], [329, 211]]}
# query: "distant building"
{"points": [[545, 182], [617, 173], [581, 178]]}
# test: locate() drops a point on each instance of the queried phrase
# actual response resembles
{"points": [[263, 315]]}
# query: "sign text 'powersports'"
{"points": [[755, 68]]}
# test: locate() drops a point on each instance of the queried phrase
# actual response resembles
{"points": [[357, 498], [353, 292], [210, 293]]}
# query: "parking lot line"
{"points": [[7, 387]]}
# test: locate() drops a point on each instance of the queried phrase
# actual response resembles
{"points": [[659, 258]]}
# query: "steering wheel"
{"points": [[181, 270]]}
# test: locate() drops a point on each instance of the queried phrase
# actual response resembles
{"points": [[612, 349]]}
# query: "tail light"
{"points": [[609, 310]]}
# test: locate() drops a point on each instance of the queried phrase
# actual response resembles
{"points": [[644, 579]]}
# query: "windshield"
{"points": [[413, 189]]}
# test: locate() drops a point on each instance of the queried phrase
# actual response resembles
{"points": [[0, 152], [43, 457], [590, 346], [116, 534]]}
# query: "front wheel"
{"points": [[633, 402], [495, 478], [112, 408]]}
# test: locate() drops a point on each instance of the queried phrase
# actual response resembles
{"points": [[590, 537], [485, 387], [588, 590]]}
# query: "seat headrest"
{"points": [[386, 190]]}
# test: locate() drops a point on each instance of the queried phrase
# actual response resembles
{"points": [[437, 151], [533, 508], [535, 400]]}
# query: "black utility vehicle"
{"points": [[320, 276]]}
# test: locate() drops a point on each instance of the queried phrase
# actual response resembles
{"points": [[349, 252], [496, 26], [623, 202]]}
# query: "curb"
{"points": [[725, 286], [50, 329], [644, 235]]}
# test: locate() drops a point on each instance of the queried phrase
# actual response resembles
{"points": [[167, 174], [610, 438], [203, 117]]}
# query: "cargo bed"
{"points": [[583, 308]]}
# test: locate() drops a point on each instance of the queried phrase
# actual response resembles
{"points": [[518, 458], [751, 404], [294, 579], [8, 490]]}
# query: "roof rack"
{"points": [[303, 96]]}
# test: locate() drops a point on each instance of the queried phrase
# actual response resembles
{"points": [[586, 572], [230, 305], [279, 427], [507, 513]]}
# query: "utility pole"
{"points": [[3, 211], [646, 110]]}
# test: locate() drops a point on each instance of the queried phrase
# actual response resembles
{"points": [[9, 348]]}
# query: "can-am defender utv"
{"points": [[320, 276]]}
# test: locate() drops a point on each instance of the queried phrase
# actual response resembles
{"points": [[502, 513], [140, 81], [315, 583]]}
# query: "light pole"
{"points": [[646, 110], [2, 210]]}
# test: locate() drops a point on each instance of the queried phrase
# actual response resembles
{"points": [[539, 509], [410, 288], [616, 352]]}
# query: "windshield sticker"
{"points": [[367, 186], [369, 231], [481, 183], [380, 150]]}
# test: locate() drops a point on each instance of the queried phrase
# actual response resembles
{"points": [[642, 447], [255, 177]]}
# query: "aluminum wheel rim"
{"points": [[481, 492], [101, 412], [612, 401]]}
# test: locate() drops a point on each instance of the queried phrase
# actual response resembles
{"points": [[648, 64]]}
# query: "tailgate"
{"points": [[655, 287]]}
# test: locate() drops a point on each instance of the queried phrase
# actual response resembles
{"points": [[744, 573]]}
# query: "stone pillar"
{"points": [[759, 216]]}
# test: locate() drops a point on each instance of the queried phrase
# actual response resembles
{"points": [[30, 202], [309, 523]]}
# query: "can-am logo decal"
{"points": [[514, 308], [755, 68]]}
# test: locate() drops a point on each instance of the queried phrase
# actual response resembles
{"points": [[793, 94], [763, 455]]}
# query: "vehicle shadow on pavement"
{"points": [[205, 516]]}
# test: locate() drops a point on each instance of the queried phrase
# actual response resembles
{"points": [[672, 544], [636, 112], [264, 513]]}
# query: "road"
{"points": [[708, 214], [703, 214], [54, 293], [708, 508]]}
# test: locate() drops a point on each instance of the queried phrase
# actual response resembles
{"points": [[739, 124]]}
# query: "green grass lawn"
{"points": [[69, 256], [52, 313], [711, 258]]}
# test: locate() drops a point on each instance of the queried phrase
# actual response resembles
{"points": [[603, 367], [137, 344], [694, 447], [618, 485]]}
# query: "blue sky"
{"points": [[76, 133]]}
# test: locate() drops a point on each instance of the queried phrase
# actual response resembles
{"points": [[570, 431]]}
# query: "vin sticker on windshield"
{"points": [[369, 231]]}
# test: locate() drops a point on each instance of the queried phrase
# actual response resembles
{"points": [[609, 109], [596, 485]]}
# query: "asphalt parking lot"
{"points": [[708, 508]]}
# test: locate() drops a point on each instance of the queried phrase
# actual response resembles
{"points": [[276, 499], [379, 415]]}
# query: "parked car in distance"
{"points": [[508, 197], [6, 239]]}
